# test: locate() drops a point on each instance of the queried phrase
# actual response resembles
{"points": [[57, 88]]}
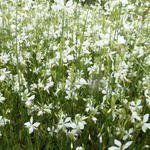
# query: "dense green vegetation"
{"points": [[74, 75]]}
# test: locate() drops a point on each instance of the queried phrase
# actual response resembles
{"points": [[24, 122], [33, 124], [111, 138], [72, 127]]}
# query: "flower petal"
{"points": [[73, 125], [36, 124], [128, 144], [139, 102], [30, 130], [27, 124], [135, 115], [146, 118], [131, 130], [113, 148], [31, 120], [69, 3], [67, 119], [125, 137], [81, 125], [68, 125], [144, 128], [118, 143]]}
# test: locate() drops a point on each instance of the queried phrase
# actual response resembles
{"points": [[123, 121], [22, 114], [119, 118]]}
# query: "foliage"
{"points": [[74, 76]]}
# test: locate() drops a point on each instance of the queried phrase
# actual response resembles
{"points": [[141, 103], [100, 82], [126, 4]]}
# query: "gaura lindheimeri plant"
{"points": [[31, 126], [74, 74]]}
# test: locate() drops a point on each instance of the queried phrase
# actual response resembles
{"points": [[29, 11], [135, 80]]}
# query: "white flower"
{"points": [[3, 121], [128, 134], [141, 52], [121, 40], [128, 144], [78, 125], [45, 109], [63, 124], [1, 98], [135, 105], [94, 119], [79, 148], [52, 130], [31, 126], [145, 125], [49, 84], [3, 74], [70, 57], [82, 81], [69, 3], [119, 146], [26, 96], [2, 77], [40, 85]]}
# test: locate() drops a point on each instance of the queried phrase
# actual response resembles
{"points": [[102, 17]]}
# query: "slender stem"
{"points": [[17, 102]]}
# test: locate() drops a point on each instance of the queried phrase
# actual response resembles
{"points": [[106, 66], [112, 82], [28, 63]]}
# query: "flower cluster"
{"points": [[81, 71]]}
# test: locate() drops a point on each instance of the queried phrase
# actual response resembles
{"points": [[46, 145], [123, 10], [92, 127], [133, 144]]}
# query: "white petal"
{"points": [[70, 57], [135, 115], [121, 40], [73, 131], [143, 128], [73, 125], [48, 129], [100, 139], [118, 143], [31, 98], [40, 113], [28, 103], [146, 118], [128, 144], [68, 125], [82, 81], [69, 3], [113, 148], [139, 102], [81, 126], [60, 126], [83, 122], [36, 124], [131, 130], [2, 99], [133, 103], [125, 137], [146, 93], [94, 119], [31, 120], [27, 124], [67, 119], [30, 130], [61, 121]]}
